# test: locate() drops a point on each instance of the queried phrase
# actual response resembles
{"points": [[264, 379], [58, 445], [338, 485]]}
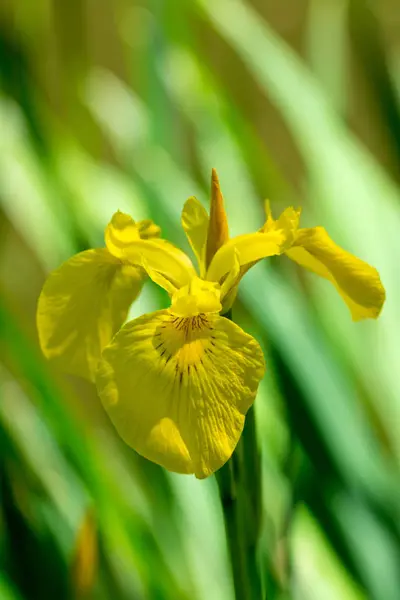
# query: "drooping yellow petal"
{"points": [[248, 248], [177, 389], [195, 224], [123, 241], [218, 232], [357, 282], [82, 305]]}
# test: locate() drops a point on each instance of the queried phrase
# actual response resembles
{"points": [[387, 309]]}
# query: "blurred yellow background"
{"points": [[128, 105]]}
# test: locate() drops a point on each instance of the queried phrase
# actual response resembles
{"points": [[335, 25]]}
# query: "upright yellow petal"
{"points": [[218, 232], [82, 305], [357, 282], [195, 224], [177, 389]]}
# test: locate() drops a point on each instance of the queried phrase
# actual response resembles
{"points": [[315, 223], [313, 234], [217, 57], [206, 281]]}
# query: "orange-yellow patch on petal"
{"points": [[82, 305], [177, 388], [357, 282]]}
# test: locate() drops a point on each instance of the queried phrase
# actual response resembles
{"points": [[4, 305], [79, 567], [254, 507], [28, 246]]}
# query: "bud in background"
{"points": [[218, 232], [84, 558]]}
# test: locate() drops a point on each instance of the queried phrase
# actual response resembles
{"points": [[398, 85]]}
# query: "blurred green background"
{"points": [[126, 104]]}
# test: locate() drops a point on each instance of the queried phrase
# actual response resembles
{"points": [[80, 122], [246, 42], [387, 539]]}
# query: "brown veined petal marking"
{"points": [[177, 388]]}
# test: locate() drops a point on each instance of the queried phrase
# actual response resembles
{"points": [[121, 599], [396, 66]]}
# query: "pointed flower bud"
{"points": [[218, 232]]}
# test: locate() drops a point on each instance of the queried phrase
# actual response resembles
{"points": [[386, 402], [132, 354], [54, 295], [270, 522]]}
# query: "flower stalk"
{"points": [[239, 482]]}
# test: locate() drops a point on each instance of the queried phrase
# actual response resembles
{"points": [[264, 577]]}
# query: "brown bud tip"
{"points": [[214, 178], [218, 232]]}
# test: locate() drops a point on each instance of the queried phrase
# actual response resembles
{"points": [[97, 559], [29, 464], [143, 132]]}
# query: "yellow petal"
{"points": [[177, 389], [122, 237], [218, 232], [159, 278], [232, 278], [195, 224], [120, 232], [82, 305], [148, 229], [198, 297], [248, 248], [357, 282], [287, 225], [287, 222]]}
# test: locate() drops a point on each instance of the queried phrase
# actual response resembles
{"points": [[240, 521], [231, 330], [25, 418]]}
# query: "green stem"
{"points": [[230, 506], [239, 482], [252, 490]]}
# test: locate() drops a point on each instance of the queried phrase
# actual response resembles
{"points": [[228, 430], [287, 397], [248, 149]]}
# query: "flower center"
{"points": [[196, 298], [184, 342]]}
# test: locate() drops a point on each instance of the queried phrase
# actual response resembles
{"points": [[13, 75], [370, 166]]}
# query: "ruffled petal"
{"points": [[195, 225], [357, 282], [120, 233], [287, 222], [82, 305], [177, 389]]}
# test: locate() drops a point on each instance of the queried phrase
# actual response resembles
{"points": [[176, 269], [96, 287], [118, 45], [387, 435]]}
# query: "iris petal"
{"points": [[120, 232], [82, 305], [195, 224], [177, 389], [123, 241], [247, 248], [357, 282]]}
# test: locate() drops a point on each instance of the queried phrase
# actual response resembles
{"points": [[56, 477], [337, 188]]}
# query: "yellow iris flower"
{"points": [[85, 301], [177, 383]]}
